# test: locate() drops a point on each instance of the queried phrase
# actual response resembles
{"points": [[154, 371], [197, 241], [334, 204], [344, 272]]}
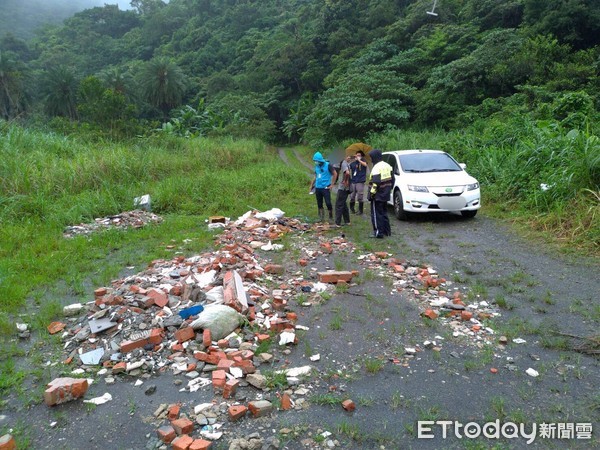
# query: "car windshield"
{"points": [[428, 162]]}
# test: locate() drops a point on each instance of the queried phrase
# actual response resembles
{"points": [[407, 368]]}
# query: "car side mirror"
{"points": [[463, 166]]}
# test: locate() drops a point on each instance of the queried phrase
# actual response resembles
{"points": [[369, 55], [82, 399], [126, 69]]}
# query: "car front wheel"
{"points": [[468, 214], [399, 206]]}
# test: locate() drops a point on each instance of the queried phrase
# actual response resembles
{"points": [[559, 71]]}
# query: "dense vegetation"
{"points": [[512, 85]]}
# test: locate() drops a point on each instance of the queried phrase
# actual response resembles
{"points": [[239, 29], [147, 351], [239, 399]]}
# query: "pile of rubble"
{"points": [[204, 318], [209, 319], [129, 219]]}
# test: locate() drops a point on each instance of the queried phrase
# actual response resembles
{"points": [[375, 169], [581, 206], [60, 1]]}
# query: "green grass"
{"points": [[373, 365]]}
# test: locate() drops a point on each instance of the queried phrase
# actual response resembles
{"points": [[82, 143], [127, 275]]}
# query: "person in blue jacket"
{"points": [[322, 183]]}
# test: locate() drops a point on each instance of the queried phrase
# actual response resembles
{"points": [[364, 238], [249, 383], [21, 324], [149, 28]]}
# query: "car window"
{"points": [[429, 162], [391, 160]]}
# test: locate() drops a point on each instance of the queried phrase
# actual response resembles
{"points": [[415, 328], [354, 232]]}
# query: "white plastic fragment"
{"points": [[99, 400], [315, 357], [519, 341], [532, 372], [287, 337]]}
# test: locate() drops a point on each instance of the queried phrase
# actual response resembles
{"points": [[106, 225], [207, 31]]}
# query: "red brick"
{"points": [[61, 390], [100, 292], [303, 262], [185, 334], [166, 433], [7, 442], [206, 338], [223, 343], [335, 276], [159, 296], [286, 402], [236, 412], [182, 442], [119, 367], [182, 426], [55, 327], [430, 313], [348, 405], [200, 444], [263, 337], [274, 269], [224, 364], [466, 315], [153, 337], [246, 365], [173, 412], [230, 388], [219, 378]]}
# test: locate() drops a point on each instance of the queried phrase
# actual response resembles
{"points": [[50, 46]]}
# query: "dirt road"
{"points": [[371, 340]]}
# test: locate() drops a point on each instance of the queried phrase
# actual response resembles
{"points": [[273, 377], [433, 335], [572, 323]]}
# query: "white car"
{"points": [[430, 181]]}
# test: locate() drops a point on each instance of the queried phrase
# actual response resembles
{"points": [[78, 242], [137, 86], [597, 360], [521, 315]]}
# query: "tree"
{"points": [[60, 86], [367, 100], [163, 84], [12, 91]]}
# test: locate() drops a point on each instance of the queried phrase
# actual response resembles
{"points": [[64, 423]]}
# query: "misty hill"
{"points": [[23, 17]]}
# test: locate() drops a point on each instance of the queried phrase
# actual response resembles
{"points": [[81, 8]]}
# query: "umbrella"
{"points": [[352, 149]]}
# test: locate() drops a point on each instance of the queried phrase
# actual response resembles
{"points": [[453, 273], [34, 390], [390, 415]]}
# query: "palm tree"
{"points": [[163, 84], [61, 93], [12, 93]]}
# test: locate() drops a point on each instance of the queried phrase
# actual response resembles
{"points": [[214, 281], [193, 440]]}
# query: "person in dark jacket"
{"points": [[322, 183], [358, 178], [343, 190], [381, 183]]}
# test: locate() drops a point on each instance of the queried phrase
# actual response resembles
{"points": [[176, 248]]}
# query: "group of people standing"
{"points": [[351, 177]]}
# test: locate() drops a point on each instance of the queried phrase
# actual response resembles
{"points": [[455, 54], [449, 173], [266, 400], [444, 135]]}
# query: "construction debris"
{"points": [[130, 219]]}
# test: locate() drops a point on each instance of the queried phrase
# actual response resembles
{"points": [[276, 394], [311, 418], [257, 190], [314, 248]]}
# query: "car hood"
{"points": [[439, 179]]}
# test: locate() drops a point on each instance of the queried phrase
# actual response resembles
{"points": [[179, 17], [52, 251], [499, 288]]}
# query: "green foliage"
{"points": [[61, 93], [162, 84]]}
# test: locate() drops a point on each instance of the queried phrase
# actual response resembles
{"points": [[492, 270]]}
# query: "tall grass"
{"points": [[48, 182]]}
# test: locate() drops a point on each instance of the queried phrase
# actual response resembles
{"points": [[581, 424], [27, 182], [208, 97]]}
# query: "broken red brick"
{"points": [[223, 343], [430, 313], [160, 297], [61, 390], [173, 412], [200, 444], [100, 292], [153, 337], [466, 315], [303, 262], [56, 327], [119, 367], [7, 442], [274, 269], [230, 388], [185, 334], [263, 337], [166, 434], [286, 402], [494, 370], [219, 379], [381, 255], [182, 442], [206, 337], [182, 426], [224, 364], [348, 405], [335, 276], [236, 412]]}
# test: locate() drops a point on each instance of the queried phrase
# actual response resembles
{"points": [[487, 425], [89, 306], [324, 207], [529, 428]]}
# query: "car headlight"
{"points": [[473, 186], [417, 188]]}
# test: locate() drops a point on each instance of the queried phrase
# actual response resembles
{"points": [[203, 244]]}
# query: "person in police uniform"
{"points": [[381, 183]]}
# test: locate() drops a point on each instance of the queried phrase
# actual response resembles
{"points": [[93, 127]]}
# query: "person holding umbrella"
{"points": [[358, 178]]}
